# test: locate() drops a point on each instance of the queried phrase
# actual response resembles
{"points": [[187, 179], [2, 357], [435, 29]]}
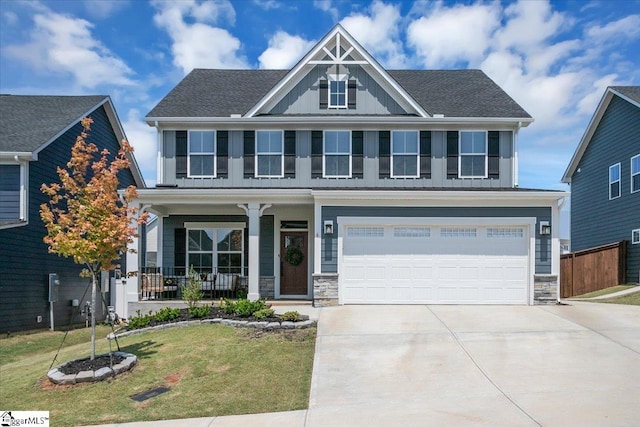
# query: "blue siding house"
{"points": [[341, 182], [604, 175], [36, 136]]}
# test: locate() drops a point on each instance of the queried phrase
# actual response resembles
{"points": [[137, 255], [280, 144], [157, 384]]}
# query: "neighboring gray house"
{"points": [[36, 136], [341, 182], [604, 175]]}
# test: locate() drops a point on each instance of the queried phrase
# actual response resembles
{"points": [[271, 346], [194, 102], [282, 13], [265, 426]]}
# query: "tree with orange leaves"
{"points": [[86, 218]]}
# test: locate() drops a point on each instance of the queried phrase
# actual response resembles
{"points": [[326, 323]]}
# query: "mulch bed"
{"points": [[79, 365]]}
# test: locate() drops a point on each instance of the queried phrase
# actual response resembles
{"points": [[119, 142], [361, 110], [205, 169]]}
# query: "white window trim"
{"points": [[214, 153], [417, 154], [613, 182], [633, 234], [338, 78], [24, 194], [486, 153], [633, 174], [269, 154], [324, 154], [214, 247]]}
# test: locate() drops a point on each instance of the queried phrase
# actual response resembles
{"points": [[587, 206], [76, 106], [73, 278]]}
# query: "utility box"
{"points": [[54, 286]]}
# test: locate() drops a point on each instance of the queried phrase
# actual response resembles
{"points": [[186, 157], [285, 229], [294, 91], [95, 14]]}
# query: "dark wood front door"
{"points": [[293, 263]]}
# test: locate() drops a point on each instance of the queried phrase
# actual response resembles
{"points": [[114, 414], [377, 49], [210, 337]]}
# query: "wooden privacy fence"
{"points": [[592, 269]]}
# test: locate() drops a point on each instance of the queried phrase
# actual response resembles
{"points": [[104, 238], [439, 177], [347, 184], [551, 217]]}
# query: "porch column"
{"points": [[130, 280]]}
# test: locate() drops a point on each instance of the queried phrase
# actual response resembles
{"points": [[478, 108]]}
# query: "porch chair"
{"points": [[152, 284]]}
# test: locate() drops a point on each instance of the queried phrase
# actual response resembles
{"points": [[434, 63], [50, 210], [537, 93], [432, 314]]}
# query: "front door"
{"points": [[293, 263]]}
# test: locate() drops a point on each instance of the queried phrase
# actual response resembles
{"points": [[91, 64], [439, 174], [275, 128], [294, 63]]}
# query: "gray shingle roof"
{"points": [[632, 92], [27, 122], [454, 93]]}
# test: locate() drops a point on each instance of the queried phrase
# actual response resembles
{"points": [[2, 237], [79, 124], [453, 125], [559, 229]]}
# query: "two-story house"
{"points": [[604, 175], [36, 136], [342, 182]]}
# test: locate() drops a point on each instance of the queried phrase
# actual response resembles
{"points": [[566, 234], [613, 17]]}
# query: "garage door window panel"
{"points": [[473, 154], [455, 233]]}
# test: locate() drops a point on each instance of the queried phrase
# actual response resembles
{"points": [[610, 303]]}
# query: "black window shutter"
{"points": [[425, 154], [351, 94], [222, 154], [180, 250], [494, 154], [384, 142], [452, 154], [316, 154], [357, 148], [181, 154], [324, 94], [290, 153], [249, 153]]}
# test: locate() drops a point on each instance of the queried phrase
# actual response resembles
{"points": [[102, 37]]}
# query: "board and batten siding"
{"points": [[25, 263], [596, 220], [370, 178], [329, 244], [371, 98], [9, 192]]}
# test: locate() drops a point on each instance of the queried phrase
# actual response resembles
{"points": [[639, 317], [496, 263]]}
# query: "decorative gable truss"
{"points": [[337, 75]]}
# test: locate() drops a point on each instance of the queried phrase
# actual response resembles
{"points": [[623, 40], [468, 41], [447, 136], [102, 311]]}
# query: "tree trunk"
{"points": [[93, 315]]}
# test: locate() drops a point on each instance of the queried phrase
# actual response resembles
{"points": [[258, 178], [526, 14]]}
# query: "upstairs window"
{"points": [[473, 154], [404, 154], [635, 173], [614, 181], [12, 202], [337, 154], [338, 91], [269, 153], [202, 154]]}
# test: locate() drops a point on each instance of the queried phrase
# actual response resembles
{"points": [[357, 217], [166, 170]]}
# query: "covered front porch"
{"points": [[239, 243]]}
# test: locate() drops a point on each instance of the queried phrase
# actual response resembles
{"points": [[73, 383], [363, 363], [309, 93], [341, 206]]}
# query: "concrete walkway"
{"points": [[607, 296], [569, 365]]}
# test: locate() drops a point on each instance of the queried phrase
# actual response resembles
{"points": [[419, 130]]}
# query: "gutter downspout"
{"points": [[563, 201], [515, 155]]}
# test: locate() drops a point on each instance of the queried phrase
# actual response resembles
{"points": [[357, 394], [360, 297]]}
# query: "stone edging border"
{"points": [[56, 376], [229, 322]]}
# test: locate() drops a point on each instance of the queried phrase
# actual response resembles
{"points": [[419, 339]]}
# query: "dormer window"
{"points": [[338, 91]]}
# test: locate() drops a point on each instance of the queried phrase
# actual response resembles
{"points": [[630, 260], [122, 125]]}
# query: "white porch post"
{"points": [[130, 280], [253, 211]]}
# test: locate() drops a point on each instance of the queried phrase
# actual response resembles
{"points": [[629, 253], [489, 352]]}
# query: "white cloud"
{"points": [[284, 51], [198, 44], [102, 9], [587, 105], [529, 24], [326, 6], [143, 138], [379, 33], [627, 27], [267, 4], [449, 35], [63, 44], [10, 17]]}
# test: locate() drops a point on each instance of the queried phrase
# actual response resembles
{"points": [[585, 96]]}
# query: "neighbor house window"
{"points": [[473, 154], [404, 154], [635, 173], [635, 236], [269, 153], [338, 91], [614, 181], [202, 154], [13, 202], [216, 250], [337, 154]]}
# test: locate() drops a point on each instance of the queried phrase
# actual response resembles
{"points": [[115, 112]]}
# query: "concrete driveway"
{"points": [[574, 365]]}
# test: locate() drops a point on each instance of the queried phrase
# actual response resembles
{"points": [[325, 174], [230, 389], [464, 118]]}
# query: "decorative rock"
{"points": [[305, 324], [103, 373], [273, 325], [257, 325], [287, 325], [84, 376]]}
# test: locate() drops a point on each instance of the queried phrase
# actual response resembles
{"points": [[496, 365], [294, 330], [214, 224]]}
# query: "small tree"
{"points": [[85, 218]]}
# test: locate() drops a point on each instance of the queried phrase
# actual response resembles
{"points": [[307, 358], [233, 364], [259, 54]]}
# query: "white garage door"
{"points": [[435, 264]]}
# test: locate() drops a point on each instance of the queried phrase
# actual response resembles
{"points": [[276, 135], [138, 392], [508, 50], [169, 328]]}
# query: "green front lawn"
{"points": [[605, 291], [211, 370], [629, 299]]}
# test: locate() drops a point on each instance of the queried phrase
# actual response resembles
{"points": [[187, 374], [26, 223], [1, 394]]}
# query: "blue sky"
{"points": [[554, 58]]}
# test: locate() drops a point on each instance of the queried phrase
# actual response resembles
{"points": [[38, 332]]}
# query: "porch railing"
{"points": [[165, 283]]}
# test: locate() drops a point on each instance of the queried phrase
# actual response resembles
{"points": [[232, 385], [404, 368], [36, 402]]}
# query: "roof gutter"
{"points": [[18, 156]]}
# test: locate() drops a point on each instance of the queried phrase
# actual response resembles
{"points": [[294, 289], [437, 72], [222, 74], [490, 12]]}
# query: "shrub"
{"points": [[192, 291], [245, 308], [140, 320], [264, 313], [167, 313], [228, 306], [198, 312], [290, 316]]}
